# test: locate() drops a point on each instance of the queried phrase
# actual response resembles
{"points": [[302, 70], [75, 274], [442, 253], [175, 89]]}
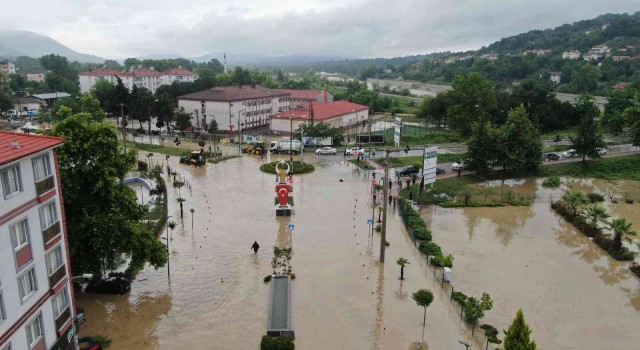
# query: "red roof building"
{"points": [[14, 146], [336, 114], [306, 96], [620, 85]]}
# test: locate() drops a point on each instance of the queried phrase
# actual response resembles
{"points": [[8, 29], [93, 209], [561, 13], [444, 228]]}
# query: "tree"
{"points": [[213, 126], [617, 103], [104, 91], [141, 103], [519, 144], [424, 298], [621, 229], [632, 115], [183, 120], [91, 105], [587, 140], [472, 100], [164, 107], [596, 214], [481, 150], [402, 262], [103, 216], [585, 79], [575, 200], [516, 337], [474, 308]]}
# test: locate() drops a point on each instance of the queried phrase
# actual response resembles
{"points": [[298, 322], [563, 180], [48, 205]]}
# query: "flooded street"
{"points": [[342, 297], [573, 295]]}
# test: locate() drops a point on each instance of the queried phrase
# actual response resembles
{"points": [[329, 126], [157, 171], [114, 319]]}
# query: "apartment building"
{"points": [[36, 296], [148, 78]]}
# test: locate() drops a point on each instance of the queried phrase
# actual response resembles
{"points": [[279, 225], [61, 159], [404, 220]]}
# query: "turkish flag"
{"points": [[283, 194]]}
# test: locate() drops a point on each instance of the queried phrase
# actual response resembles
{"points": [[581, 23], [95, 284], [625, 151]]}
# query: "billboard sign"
{"points": [[430, 160], [396, 131]]}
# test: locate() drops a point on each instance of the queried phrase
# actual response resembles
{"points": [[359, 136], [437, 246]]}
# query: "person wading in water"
{"points": [[255, 247]]}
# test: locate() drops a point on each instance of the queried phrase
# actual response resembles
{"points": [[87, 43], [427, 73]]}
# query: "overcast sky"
{"points": [[347, 28]]}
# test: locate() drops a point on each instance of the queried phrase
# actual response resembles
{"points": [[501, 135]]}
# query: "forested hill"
{"points": [[581, 36], [508, 64]]}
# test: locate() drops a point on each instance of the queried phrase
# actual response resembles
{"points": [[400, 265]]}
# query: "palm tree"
{"points": [[181, 200], [423, 297], [596, 214], [621, 228], [575, 200], [402, 262], [178, 185]]}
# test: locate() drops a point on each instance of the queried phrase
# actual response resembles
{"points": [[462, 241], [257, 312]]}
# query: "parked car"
{"points": [[352, 151], [109, 285], [326, 150], [458, 166], [551, 156], [602, 150], [88, 343], [569, 154], [406, 171], [440, 171]]}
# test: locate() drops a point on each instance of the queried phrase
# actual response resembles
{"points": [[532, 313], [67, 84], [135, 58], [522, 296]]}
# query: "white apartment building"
{"points": [[148, 78], [8, 68], [36, 296], [234, 107], [555, 77], [571, 55]]}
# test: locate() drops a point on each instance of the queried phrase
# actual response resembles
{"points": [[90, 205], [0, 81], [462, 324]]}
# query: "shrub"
{"points": [[636, 270], [430, 248], [279, 343], [298, 168], [423, 234], [552, 181], [267, 279], [629, 201], [442, 260], [595, 197], [459, 297]]}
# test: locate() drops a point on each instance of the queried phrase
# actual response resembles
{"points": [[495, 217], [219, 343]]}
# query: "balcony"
{"points": [[57, 276], [50, 232], [63, 318], [45, 185]]}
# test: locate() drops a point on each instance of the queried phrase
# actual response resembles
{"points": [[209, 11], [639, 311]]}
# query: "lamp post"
{"points": [[192, 211], [168, 253], [291, 144], [240, 130]]}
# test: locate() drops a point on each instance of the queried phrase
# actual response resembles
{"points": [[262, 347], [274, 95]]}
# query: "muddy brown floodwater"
{"points": [[342, 297], [573, 295]]}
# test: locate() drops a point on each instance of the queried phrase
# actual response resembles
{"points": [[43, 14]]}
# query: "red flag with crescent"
{"points": [[283, 194]]}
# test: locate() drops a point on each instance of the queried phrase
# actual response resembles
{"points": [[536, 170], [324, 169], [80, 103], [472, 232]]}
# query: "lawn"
{"points": [[405, 161], [173, 151], [362, 164], [614, 168]]}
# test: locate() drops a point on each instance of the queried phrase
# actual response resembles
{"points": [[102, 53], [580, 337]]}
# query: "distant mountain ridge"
{"points": [[15, 43]]}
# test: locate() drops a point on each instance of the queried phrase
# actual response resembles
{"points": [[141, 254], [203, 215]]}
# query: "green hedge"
{"points": [[279, 343], [298, 167], [277, 200], [552, 181]]}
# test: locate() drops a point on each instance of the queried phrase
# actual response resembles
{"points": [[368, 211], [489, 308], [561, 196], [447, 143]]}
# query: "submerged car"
{"points": [[458, 166], [551, 156], [602, 150], [326, 150], [440, 171], [108, 285]]}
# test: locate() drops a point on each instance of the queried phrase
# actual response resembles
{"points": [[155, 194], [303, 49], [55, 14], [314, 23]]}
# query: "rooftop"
{"points": [[233, 93], [51, 95], [322, 111], [14, 146], [178, 71], [302, 94]]}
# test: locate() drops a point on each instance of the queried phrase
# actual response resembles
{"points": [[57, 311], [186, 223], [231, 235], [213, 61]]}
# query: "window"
{"points": [[34, 331], [8, 347], [60, 302], [11, 182], [48, 214], [54, 260], [41, 168], [27, 284], [19, 234]]}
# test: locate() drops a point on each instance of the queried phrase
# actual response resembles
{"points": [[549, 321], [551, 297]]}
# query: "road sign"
{"points": [[429, 164], [396, 131], [369, 221], [290, 227]]}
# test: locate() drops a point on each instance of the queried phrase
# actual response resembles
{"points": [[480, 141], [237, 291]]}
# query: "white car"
{"points": [[602, 150], [458, 166], [326, 150], [569, 154], [352, 151]]}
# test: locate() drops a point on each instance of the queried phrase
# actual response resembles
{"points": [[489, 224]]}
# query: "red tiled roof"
{"points": [[233, 93], [144, 72], [323, 111], [302, 94], [179, 71], [621, 85], [14, 146], [100, 72]]}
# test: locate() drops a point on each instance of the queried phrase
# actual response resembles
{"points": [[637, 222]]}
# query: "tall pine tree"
{"points": [[517, 336]]}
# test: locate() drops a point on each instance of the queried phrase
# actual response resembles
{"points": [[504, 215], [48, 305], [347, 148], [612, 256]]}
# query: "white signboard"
{"points": [[429, 164], [396, 131]]}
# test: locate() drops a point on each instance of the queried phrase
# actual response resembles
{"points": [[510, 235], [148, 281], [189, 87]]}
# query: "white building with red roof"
{"points": [[36, 296], [306, 96], [336, 114], [149, 78], [237, 107]]}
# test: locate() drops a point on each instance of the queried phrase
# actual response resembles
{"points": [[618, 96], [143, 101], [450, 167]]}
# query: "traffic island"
{"points": [[298, 167]]}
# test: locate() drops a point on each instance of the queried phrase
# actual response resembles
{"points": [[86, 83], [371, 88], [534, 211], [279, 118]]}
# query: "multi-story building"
{"points": [[571, 55], [234, 107], [305, 96], [36, 296], [148, 78], [555, 77], [337, 114], [8, 68]]}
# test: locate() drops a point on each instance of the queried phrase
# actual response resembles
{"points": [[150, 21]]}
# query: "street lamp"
{"points": [[239, 129], [168, 253], [192, 211]]}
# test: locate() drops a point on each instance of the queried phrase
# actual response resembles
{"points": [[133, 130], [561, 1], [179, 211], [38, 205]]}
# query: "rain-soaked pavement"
{"points": [[573, 295]]}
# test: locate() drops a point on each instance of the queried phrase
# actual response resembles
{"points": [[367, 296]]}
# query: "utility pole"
{"points": [[123, 127], [302, 143], [383, 235]]}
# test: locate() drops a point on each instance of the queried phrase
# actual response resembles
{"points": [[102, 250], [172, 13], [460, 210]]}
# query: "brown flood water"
{"points": [[574, 296], [342, 297]]}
